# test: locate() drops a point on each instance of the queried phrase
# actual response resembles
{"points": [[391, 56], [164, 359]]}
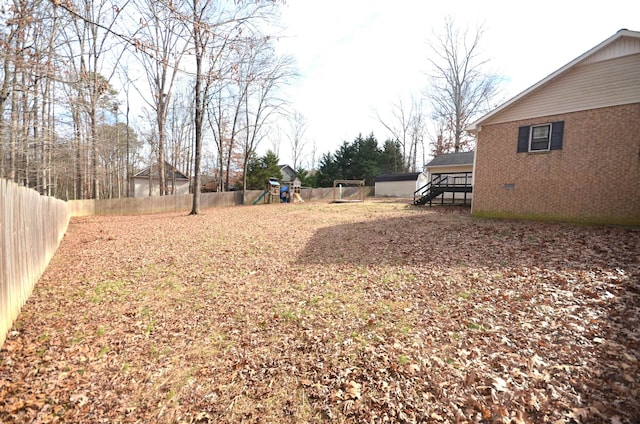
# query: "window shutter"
{"points": [[557, 131], [523, 139]]}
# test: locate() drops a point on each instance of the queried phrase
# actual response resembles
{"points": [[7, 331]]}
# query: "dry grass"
{"points": [[371, 312]]}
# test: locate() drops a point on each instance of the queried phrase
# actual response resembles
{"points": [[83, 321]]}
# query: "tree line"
{"points": [[195, 67], [93, 90], [361, 159]]}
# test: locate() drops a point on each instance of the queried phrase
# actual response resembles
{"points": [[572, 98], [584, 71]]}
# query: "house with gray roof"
{"points": [[451, 162], [289, 176], [147, 182], [449, 179]]}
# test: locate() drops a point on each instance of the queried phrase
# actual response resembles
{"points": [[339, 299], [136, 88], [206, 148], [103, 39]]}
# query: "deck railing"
{"points": [[452, 182]]}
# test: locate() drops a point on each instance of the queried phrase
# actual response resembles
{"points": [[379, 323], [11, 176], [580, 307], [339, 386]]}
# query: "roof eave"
{"points": [[449, 165], [476, 126]]}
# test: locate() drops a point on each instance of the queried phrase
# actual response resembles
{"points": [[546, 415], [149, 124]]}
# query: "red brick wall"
{"points": [[595, 177]]}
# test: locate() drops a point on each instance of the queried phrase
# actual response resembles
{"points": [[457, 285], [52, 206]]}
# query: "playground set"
{"points": [[344, 191], [275, 192]]}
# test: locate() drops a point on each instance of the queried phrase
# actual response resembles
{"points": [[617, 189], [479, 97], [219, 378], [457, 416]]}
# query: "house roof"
{"points": [[412, 176], [169, 170], [288, 171], [475, 126], [452, 159]]}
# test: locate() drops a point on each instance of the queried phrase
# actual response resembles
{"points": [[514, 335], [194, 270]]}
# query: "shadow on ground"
{"points": [[568, 294]]}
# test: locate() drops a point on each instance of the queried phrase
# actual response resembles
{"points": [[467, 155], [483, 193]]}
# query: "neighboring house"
{"points": [[567, 148], [396, 185], [289, 176], [288, 173], [147, 182], [453, 173], [210, 184], [450, 163]]}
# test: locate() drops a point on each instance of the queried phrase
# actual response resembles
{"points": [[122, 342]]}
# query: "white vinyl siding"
{"points": [[141, 187], [449, 169], [624, 46], [395, 188], [595, 85]]}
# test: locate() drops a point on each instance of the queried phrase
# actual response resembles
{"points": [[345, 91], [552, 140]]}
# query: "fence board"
{"points": [[31, 227]]}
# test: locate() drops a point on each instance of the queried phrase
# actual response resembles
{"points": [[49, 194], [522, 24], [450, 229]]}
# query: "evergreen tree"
{"points": [[360, 160], [392, 161], [307, 179], [328, 171], [366, 161], [260, 169]]}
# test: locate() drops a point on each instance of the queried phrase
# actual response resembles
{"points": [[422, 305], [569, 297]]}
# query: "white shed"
{"points": [[396, 185]]}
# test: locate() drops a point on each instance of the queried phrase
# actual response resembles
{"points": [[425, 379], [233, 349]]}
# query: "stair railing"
{"points": [[425, 190]]}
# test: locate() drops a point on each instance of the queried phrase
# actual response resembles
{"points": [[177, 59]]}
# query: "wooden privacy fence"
{"points": [[31, 228], [182, 203], [156, 204]]}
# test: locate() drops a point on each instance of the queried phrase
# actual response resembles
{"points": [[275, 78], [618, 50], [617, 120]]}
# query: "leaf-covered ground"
{"points": [[374, 312]]}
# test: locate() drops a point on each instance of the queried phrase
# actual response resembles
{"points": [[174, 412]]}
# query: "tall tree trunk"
{"points": [[161, 142], [75, 113], [199, 109], [94, 152], [4, 96], [13, 138], [24, 130], [128, 177]]}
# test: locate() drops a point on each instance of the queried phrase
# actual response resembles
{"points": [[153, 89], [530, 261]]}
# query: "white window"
{"points": [[540, 139]]}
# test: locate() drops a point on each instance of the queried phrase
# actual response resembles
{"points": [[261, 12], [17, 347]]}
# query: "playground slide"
{"points": [[264, 193], [299, 198]]}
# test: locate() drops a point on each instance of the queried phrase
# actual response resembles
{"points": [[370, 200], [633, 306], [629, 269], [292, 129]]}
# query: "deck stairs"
{"points": [[443, 183]]}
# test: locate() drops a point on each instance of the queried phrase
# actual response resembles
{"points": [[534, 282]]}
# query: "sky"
{"points": [[356, 58]]}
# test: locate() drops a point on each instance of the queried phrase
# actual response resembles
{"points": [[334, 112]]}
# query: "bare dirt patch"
{"points": [[371, 312]]}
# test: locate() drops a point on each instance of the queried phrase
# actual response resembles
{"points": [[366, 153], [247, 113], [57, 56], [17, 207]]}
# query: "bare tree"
{"points": [[224, 114], [7, 58], [60, 57], [261, 75], [441, 141], [48, 133], [18, 55], [127, 83], [218, 29], [117, 140], [296, 136], [417, 132], [180, 133], [27, 78], [202, 36], [95, 55], [163, 36], [407, 126], [214, 29], [460, 88], [275, 137]]}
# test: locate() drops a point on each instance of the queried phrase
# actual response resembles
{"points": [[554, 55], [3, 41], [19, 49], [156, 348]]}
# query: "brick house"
{"points": [[567, 148]]}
